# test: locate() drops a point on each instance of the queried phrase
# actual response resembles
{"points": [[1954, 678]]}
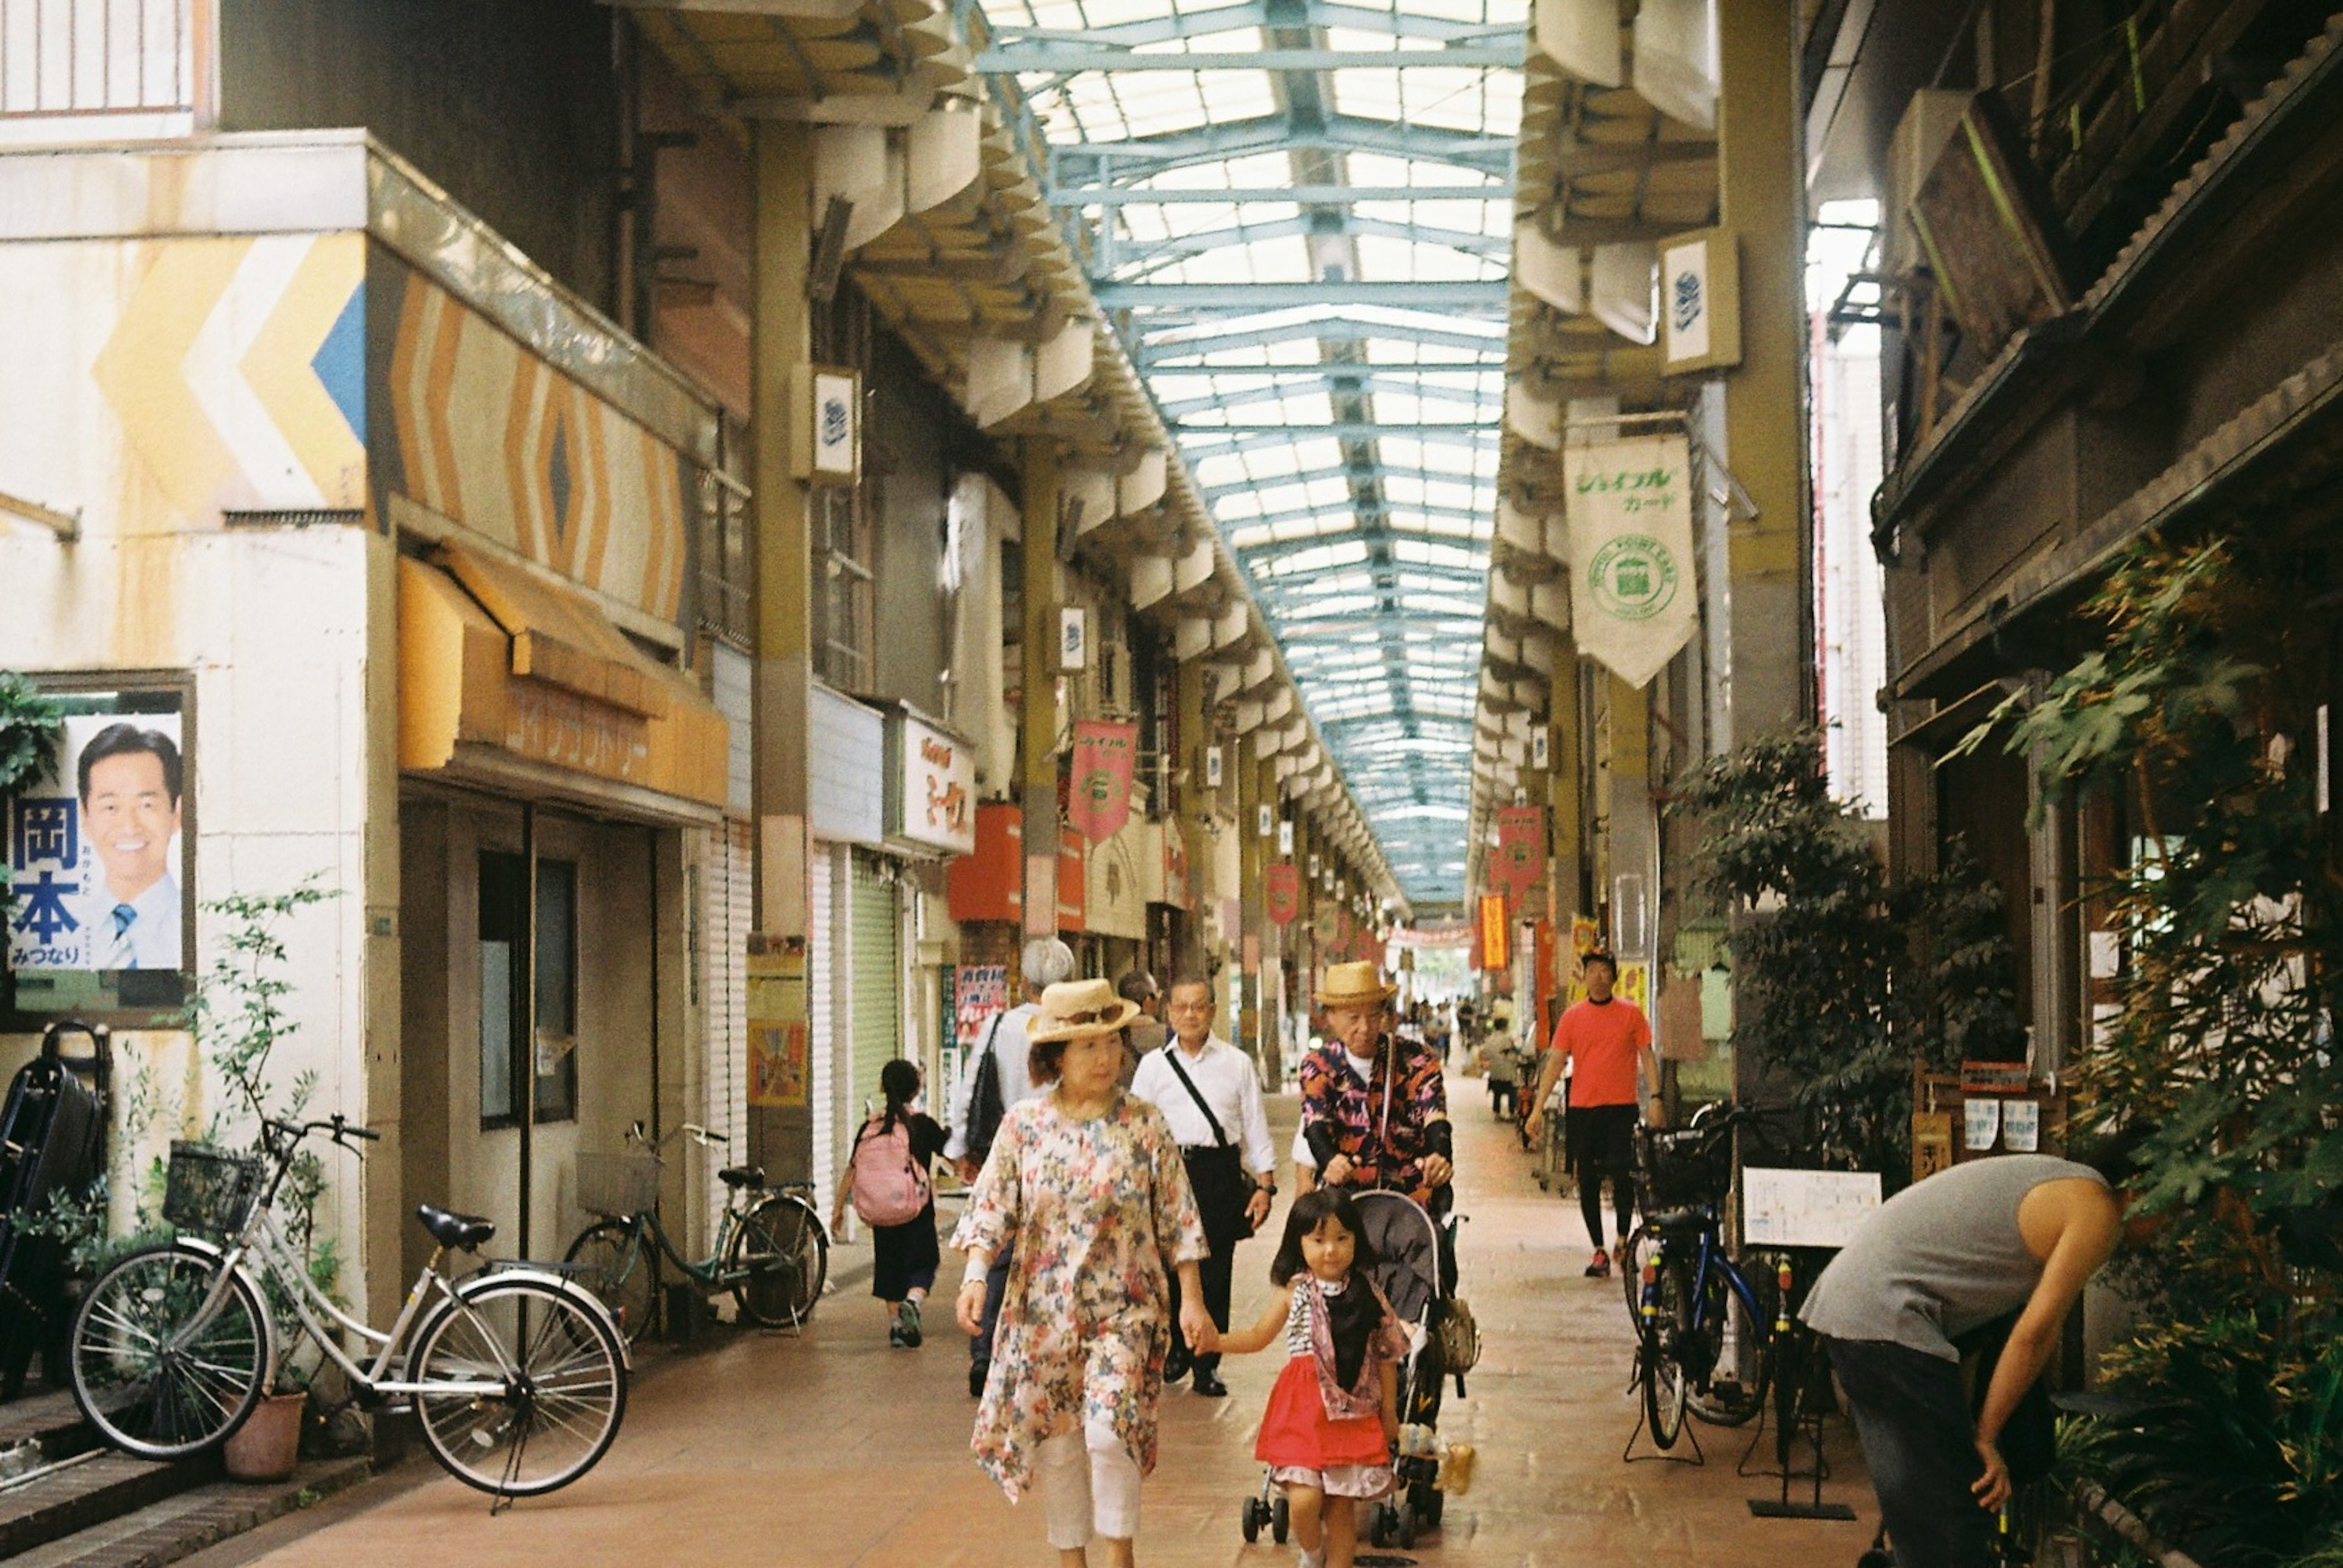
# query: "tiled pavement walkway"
{"points": [[834, 1450]]}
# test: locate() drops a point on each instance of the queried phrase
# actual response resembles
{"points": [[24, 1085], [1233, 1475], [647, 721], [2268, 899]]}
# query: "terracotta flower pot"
{"points": [[266, 1445]]}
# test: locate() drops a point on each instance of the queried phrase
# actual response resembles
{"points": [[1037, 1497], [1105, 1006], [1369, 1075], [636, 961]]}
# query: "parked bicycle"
{"points": [[771, 1248], [1685, 1288], [517, 1376]]}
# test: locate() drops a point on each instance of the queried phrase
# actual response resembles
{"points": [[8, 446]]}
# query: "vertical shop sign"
{"points": [[1633, 598], [1495, 953], [1100, 795], [1282, 891], [1521, 849], [780, 1061]]}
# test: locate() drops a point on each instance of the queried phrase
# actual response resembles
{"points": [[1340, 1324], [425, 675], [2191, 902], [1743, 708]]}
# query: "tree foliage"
{"points": [[1844, 981], [2189, 723]]}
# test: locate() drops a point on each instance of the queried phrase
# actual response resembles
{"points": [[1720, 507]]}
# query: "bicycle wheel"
{"points": [[1666, 1389], [560, 1378], [155, 1374], [1629, 1261], [1732, 1399], [618, 1263], [776, 1263]]}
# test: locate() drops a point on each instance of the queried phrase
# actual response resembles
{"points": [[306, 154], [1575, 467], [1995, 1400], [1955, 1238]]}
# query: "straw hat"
{"points": [[1080, 1009], [1359, 984]]}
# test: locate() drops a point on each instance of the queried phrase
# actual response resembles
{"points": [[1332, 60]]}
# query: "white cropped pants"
{"points": [[1090, 1486]]}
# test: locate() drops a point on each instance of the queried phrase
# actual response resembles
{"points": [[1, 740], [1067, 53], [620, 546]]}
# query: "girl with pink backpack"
{"points": [[887, 1181]]}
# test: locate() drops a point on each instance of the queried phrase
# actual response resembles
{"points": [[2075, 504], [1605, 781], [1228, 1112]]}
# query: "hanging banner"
{"points": [[1521, 849], [1282, 891], [1495, 943], [1100, 802], [1632, 600]]}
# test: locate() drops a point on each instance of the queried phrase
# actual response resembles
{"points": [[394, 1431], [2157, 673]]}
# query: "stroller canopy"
{"points": [[1407, 1250]]}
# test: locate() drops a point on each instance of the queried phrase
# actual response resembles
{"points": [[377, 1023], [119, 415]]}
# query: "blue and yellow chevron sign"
{"points": [[237, 369]]}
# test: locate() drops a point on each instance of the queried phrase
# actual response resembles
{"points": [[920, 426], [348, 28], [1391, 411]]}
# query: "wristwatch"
{"points": [[1268, 1188]]}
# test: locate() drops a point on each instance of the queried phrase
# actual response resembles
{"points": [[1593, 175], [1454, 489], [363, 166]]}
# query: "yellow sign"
{"points": [[779, 1062]]}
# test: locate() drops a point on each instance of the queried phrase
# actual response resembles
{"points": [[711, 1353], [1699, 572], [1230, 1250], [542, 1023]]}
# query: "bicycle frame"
{"points": [[710, 1272], [262, 1239]]}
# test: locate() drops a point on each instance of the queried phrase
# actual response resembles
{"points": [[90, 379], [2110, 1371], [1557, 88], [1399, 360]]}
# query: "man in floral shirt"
{"points": [[1375, 1111]]}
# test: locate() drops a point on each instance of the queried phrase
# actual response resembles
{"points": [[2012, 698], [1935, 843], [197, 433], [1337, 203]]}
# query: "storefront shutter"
{"points": [[727, 885], [824, 1046], [878, 984]]}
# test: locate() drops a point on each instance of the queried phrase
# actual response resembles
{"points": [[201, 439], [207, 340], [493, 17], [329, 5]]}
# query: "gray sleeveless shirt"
{"points": [[1940, 1258]]}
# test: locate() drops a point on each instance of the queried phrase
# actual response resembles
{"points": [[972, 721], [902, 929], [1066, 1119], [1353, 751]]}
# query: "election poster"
{"points": [[98, 859]]}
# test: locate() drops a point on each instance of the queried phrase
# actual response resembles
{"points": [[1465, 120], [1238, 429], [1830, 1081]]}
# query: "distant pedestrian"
{"points": [[1606, 1042], [1505, 1074], [1147, 1031], [994, 1079], [887, 1182], [1085, 1188], [2016, 1234], [1210, 1097], [1334, 1410]]}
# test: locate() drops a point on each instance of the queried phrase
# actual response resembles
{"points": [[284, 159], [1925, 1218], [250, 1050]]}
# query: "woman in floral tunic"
{"points": [[1085, 1185]]}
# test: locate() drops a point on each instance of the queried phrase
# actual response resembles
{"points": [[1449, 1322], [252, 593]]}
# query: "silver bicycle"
{"points": [[517, 1376]]}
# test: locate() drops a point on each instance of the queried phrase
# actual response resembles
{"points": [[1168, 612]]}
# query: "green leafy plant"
{"points": [[2186, 724], [1846, 980]]}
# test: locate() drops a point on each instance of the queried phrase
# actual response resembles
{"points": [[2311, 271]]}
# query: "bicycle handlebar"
{"points": [[336, 1127]]}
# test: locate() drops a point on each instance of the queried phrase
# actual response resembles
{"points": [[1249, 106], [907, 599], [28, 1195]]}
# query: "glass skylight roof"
{"points": [[1345, 433]]}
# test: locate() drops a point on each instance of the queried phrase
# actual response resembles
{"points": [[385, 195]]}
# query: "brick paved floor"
{"points": [[834, 1450]]}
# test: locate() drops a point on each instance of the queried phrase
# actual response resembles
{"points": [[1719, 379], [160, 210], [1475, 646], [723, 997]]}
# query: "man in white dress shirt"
{"points": [[130, 814], [974, 1118], [1208, 1093]]}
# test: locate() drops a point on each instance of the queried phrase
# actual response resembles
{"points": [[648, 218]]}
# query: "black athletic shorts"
{"points": [[1601, 1139]]}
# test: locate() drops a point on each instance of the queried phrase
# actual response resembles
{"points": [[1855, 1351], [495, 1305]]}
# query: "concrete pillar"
{"points": [[1037, 723], [1761, 202], [780, 1138], [1567, 752]]}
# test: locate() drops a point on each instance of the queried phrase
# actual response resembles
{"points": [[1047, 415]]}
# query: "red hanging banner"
{"points": [[1521, 849], [1099, 802], [1281, 887]]}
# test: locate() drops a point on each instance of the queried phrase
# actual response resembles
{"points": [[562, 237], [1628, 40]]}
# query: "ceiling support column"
{"points": [[1037, 719]]}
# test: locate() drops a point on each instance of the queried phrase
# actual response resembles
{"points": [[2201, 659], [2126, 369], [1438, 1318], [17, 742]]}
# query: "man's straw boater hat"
{"points": [[1080, 1009], [1357, 984]]}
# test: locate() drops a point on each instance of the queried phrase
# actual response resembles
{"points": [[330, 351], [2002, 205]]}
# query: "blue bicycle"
{"points": [[1688, 1290]]}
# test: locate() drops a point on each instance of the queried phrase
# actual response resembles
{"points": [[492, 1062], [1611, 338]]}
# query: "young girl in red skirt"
{"points": [[1334, 1413]]}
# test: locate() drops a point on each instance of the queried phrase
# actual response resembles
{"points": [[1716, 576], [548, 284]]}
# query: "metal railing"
{"points": [[724, 559], [81, 57]]}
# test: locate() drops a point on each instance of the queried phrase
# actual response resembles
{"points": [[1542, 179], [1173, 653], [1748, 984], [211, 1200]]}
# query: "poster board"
{"points": [[1804, 1208], [101, 863]]}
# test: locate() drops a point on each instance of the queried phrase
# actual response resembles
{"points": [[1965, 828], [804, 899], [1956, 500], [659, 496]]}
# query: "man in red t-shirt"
{"points": [[1609, 1040]]}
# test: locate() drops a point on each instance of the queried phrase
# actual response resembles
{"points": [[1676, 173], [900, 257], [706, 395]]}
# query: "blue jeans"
{"points": [[1921, 1446]]}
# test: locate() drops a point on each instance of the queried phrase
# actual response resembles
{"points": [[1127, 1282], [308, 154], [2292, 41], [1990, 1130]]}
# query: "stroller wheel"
{"points": [[1249, 1521], [1379, 1525], [1405, 1527], [1428, 1501], [1280, 1520]]}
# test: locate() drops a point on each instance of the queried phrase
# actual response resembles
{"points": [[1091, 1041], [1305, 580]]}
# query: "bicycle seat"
{"points": [[742, 1176], [465, 1232], [1679, 1219]]}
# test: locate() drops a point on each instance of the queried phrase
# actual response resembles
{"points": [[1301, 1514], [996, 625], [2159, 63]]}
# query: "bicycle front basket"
{"points": [[209, 1189], [1687, 1168], [617, 1184]]}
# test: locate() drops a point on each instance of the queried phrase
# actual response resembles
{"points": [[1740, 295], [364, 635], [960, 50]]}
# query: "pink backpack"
{"points": [[889, 1188]]}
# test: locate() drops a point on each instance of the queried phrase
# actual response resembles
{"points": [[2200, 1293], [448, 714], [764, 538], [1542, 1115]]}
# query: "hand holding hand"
{"points": [[1992, 1488], [1196, 1327], [968, 1307], [1437, 1170]]}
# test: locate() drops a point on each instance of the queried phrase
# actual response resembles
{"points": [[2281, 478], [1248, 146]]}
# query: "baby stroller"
{"points": [[1415, 1269]]}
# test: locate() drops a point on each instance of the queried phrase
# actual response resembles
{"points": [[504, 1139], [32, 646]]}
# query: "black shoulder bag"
{"points": [[984, 1103], [1218, 1173]]}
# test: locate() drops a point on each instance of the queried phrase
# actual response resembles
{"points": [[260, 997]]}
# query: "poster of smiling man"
{"points": [[97, 857]]}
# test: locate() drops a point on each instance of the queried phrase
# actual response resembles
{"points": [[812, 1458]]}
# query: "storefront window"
{"points": [[504, 922], [556, 990]]}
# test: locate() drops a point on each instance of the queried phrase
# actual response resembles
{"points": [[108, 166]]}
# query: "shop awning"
{"points": [[514, 681]]}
